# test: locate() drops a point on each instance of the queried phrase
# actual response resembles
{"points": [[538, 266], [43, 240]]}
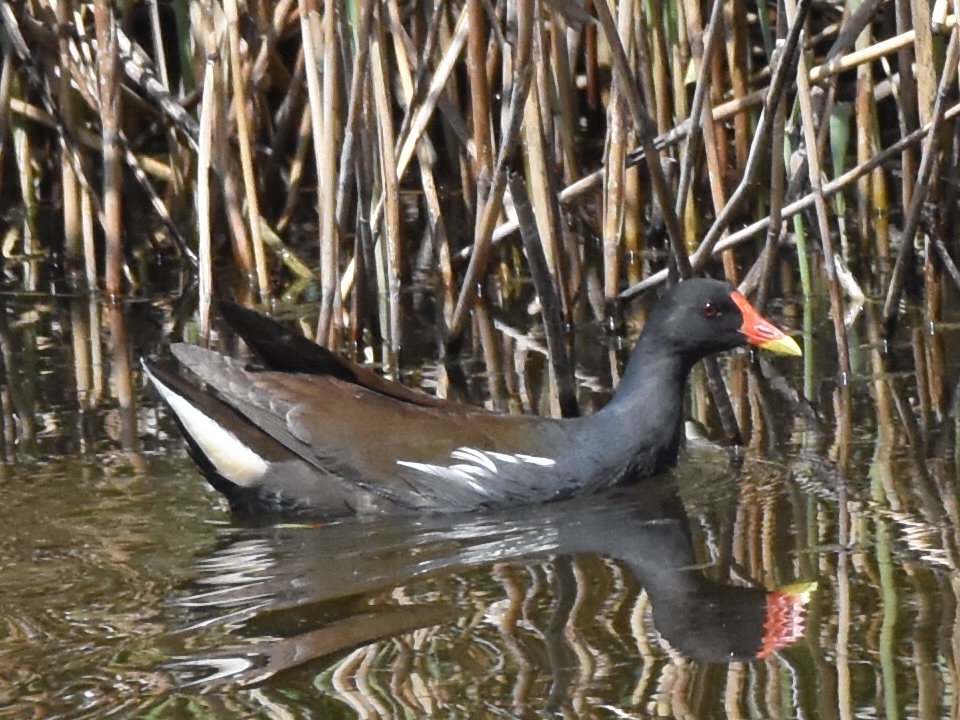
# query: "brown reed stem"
{"points": [[110, 130], [390, 229], [804, 203], [483, 233], [241, 117], [645, 132], [774, 92], [928, 164], [330, 239], [699, 107], [813, 160], [551, 306]]}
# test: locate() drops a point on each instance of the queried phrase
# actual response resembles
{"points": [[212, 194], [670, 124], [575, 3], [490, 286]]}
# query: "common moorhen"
{"points": [[314, 435]]}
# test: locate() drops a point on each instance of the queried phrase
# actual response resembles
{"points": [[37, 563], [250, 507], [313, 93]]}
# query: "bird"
{"points": [[312, 435]]}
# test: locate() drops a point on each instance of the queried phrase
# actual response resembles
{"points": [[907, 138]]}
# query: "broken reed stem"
{"points": [[311, 36]]}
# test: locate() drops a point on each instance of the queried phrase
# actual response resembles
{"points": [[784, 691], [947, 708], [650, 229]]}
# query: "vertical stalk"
{"points": [[241, 117], [312, 34], [109, 92], [204, 229], [813, 158], [388, 175]]}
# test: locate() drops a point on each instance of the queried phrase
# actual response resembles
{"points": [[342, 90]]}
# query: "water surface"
{"points": [[128, 590]]}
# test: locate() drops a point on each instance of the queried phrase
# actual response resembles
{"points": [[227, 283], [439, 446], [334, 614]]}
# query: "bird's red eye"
{"points": [[709, 310]]}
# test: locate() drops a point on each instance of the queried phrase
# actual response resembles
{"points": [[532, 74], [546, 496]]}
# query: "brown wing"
{"points": [[422, 456]]}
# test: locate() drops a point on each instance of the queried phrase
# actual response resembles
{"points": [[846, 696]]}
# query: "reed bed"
{"points": [[803, 141], [377, 159]]}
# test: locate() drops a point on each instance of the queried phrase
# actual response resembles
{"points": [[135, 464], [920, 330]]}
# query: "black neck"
{"points": [[641, 427]]}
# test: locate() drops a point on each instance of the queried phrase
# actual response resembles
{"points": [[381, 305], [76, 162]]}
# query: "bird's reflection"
{"points": [[297, 593]]}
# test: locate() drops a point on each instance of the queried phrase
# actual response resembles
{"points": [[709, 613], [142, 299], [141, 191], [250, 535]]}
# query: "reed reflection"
{"points": [[316, 591]]}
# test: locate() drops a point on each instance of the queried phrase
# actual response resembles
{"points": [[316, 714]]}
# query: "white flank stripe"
{"points": [[472, 454], [534, 460], [232, 459]]}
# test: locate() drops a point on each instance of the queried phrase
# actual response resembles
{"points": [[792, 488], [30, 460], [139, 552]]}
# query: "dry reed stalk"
{"points": [[814, 163], [660, 67], [242, 120], [204, 167], [27, 163], [925, 53], [348, 179], [718, 72], [312, 36], [546, 283], [561, 62], [109, 96], [479, 89], [390, 196], [330, 241], [426, 154], [712, 136], [907, 108], [633, 230], [72, 230], [223, 160], [738, 59], [6, 87], [928, 164], [644, 126], [511, 133], [699, 108], [281, 17], [614, 165], [865, 123], [348, 151], [538, 177], [777, 194], [295, 171]]}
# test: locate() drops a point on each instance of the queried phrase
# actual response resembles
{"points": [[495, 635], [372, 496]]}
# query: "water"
{"points": [[126, 589]]}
